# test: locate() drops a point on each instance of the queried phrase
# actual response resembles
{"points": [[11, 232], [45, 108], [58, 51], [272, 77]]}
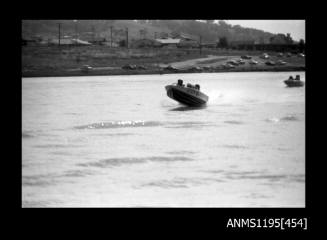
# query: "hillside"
{"points": [[141, 28]]}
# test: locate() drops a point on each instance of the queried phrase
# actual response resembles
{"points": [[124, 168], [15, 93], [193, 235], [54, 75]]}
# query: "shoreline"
{"points": [[57, 62], [66, 73]]}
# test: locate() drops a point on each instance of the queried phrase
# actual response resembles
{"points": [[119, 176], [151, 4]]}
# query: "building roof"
{"points": [[168, 40], [183, 36], [67, 41], [63, 41], [144, 42], [79, 41]]}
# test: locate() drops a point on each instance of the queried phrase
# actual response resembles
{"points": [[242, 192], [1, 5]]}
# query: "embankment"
{"points": [[67, 61]]}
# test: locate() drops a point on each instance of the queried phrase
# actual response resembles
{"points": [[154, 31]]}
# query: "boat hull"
{"points": [[292, 83], [187, 96]]}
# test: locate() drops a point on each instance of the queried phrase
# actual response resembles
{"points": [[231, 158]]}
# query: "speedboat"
{"points": [[189, 95], [294, 82]]}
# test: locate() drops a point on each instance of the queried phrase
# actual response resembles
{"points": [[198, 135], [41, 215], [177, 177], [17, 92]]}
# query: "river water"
{"points": [[119, 141]]}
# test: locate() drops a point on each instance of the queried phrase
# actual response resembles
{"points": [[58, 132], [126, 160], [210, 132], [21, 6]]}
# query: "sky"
{"points": [[295, 27]]}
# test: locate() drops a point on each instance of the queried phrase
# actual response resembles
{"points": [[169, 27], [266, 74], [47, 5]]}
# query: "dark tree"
{"points": [[301, 45], [223, 43], [122, 43]]}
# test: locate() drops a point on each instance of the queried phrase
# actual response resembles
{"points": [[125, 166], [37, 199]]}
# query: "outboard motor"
{"points": [[180, 82], [297, 77]]}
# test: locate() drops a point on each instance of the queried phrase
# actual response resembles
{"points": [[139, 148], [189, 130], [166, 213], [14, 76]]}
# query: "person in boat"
{"points": [[297, 77], [291, 78], [180, 82]]}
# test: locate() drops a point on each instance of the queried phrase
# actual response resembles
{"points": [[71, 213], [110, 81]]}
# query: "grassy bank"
{"points": [[67, 61]]}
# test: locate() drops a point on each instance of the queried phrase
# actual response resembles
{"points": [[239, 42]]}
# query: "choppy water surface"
{"points": [[120, 141]]}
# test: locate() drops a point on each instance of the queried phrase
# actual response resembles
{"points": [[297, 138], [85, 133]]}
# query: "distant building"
{"points": [[186, 40], [142, 43], [98, 41], [81, 42], [168, 42], [68, 41], [186, 43], [93, 38], [63, 41], [183, 36]]}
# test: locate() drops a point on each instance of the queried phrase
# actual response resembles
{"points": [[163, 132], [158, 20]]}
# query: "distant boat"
{"points": [[294, 82], [189, 95]]}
